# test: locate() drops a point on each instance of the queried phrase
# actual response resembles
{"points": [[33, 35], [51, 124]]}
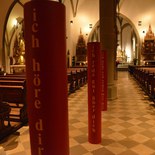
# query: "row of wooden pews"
{"points": [[77, 77], [146, 78], [13, 109], [13, 98]]}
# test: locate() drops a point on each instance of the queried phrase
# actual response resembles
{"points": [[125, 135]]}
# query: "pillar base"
{"points": [[112, 91]]}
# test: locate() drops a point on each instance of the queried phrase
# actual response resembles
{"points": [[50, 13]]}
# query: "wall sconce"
{"points": [[139, 23], [71, 22], [90, 26]]}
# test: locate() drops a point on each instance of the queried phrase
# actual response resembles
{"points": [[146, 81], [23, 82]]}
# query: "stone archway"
{"points": [[12, 30], [128, 40]]}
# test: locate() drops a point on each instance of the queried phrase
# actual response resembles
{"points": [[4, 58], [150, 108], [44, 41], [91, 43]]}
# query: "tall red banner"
{"points": [[45, 40], [104, 80], [94, 92]]}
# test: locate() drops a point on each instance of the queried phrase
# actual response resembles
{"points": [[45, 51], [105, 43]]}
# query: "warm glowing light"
{"points": [[84, 22], [21, 59], [14, 22], [86, 29], [83, 19], [134, 43], [128, 53], [147, 17]]}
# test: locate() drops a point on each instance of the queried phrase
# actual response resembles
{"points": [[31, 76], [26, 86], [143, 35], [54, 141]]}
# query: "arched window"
{"points": [[13, 36]]}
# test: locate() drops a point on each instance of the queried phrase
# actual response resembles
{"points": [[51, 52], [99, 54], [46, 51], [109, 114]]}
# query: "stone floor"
{"points": [[128, 127]]}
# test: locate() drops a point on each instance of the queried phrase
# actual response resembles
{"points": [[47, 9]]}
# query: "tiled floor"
{"points": [[128, 127]]}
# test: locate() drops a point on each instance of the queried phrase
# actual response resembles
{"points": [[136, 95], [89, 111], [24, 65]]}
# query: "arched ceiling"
{"points": [[140, 12]]}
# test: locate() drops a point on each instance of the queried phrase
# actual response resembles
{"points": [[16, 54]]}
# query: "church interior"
{"points": [[128, 121]]}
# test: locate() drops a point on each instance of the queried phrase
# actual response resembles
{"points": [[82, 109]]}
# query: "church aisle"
{"points": [[128, 127]]}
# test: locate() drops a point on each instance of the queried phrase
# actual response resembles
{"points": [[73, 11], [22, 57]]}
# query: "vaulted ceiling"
{"points": [[136, 10], [140, 12]]}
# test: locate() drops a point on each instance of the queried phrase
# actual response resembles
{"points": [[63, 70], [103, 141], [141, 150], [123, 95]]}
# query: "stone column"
{"points": [[108, 41]]}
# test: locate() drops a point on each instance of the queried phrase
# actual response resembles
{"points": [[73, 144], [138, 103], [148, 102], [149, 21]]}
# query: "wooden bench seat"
{"points": [[77, 77], [4, 114], [13, 92], [145, 76], [12, 82]]}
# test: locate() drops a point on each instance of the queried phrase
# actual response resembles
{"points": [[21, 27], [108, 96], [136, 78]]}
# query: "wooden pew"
{"points": [[145, 76], [12, 82], [13, 92], [5, 126], [77, 77], [4, 114], [71, 83]]}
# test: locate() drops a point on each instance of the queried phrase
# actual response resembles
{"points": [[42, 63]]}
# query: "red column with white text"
{"points": [[45, 42], [104, 80], [94, 92]]}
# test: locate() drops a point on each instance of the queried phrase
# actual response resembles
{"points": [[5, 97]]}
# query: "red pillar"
{"points": [[104, 80], [45, 41], [94, 92]]}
